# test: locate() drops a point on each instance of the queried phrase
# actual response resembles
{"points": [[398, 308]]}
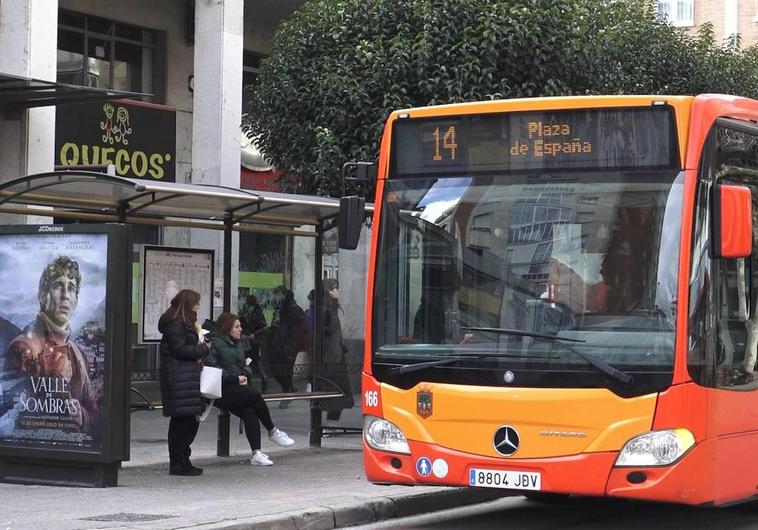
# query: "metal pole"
{"points": [[228, 226], [224, 421], [317, 368]]}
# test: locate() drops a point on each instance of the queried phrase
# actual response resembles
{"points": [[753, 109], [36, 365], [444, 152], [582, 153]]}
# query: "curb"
{"points": [[365, 512]]}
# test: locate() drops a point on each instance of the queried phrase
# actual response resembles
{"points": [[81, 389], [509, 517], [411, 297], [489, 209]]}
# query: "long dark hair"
{"points": [[183, 306]]}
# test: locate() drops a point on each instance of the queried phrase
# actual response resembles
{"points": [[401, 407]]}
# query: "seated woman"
{"points": [[236, 396]]}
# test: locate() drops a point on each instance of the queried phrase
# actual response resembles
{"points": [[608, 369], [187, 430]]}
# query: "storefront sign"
{"points": [[139, 139]]}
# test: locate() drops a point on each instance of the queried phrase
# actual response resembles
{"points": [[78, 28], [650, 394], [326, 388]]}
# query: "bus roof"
{"points": [[537, 104]]}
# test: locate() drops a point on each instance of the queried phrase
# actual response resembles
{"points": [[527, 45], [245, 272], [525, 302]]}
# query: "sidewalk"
{"points": [[306, 488]]}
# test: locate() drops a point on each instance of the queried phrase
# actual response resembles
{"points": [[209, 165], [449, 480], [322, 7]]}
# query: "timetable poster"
{"points": [[52, 339], [166, 271]]}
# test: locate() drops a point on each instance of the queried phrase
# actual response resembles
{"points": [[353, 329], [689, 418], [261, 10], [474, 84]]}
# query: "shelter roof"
{"points": [[98, 196], [23, 92]]}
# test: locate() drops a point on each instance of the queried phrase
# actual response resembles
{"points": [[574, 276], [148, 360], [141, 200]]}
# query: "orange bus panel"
{"points": [[572, 436]]}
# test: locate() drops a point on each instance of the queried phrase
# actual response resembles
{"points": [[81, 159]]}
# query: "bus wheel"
{"points": [[547, 498]]}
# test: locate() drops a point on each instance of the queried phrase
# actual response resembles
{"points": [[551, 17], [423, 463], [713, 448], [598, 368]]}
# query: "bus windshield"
{"points": [[588, 256]]}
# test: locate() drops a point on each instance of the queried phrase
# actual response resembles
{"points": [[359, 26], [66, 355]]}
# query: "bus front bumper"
{"points": [[590, 474]]}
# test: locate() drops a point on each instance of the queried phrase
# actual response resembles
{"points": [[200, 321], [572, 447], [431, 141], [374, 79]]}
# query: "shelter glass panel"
{"points": [[343, 331], [275, 276]]}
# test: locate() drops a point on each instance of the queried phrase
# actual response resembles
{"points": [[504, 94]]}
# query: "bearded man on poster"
{"points": [[44, 352]]}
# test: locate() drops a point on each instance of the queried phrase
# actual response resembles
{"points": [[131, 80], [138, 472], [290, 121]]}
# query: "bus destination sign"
{"points": [[551, 139], [619, 138]]}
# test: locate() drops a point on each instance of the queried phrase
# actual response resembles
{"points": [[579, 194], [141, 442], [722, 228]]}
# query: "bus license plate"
{"points": [[496, 478]]}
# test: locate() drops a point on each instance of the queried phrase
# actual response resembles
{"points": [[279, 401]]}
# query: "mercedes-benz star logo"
{"points": [[506, 440]]}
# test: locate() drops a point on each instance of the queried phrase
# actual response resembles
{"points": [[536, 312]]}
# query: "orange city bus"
{"points": [[563, 298]]}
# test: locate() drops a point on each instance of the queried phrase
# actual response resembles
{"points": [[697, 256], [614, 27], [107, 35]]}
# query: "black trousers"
{"points": [[181, 433], [247, 403]]}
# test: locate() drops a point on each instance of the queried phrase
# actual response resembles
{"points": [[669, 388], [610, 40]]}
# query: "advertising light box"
{"points": [[64, 343]]}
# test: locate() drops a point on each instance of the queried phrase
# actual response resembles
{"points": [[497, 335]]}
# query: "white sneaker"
{"points": [[260, 459], [280, 437]]}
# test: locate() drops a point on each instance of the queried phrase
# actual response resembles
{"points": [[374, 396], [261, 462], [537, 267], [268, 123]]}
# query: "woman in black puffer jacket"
{"points": [[182, 356]]}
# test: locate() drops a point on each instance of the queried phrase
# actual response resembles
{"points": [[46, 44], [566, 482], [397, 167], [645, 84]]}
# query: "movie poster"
{"points": [[52, 339]]}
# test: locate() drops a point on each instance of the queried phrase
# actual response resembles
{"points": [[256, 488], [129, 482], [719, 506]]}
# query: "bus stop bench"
{"points": [[147, 399], [144, 402]]}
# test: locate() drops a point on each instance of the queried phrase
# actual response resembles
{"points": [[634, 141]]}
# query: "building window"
{"points": [[677, 12], [482, 222], [101, 53]]}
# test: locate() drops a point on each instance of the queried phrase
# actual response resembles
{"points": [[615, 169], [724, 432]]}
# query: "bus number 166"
{"points": [[372, 398]]}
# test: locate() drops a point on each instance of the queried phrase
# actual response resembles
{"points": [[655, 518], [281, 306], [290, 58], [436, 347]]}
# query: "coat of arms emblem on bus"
{"points": [[424, 401]]}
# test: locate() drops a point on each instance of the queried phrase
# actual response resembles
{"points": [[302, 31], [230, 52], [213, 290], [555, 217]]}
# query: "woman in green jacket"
{"points": [[236, 395]]}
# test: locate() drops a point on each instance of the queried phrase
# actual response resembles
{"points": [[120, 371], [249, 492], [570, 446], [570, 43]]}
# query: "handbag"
{"points": [[210, 382]]}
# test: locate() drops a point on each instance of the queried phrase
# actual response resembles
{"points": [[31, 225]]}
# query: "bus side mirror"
{"points": [[350, 221], [732, 222]]}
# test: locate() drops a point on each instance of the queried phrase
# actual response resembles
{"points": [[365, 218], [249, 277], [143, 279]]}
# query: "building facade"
{"points": [[192, 60], [729, 17]]}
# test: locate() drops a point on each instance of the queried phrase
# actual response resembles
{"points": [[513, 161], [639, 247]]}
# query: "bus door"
{"points": [[727, 342]]}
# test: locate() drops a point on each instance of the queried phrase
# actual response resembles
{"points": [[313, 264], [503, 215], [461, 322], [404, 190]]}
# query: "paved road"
{"points": [[516, 513]]}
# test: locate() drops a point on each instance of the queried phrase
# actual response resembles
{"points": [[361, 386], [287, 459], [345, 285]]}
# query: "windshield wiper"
{"points": [[417, 367], [601, 365], [521, 333]]}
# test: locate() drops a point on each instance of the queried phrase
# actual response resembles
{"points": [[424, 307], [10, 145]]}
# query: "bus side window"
{"points": [[737, 288], [698, 345]]}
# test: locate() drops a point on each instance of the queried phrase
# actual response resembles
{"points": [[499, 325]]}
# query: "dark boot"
{"points": [[188, 465], [186, 470], [193, 469]]}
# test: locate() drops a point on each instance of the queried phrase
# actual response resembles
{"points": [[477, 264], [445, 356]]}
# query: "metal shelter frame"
{"points": [[92, 196], [18, 92]]}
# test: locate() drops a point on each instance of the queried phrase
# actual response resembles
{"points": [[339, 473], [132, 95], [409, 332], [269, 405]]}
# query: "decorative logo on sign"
{"points": [[115, 132], [424, 401]]}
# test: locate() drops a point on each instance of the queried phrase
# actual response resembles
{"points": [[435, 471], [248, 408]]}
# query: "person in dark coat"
{"points": [[237, 396], [253, 321], [310, 328], [333, 352], [182, 355], [252, 318], [286, 337]]}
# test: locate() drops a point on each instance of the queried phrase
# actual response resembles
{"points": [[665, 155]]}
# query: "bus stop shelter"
{"points": [[103, 198]]}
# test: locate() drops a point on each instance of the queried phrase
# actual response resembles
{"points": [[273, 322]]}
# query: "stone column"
{"points": [[29, 41], [217, 110]]}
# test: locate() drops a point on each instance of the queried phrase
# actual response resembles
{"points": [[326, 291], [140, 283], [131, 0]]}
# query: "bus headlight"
{"points": [[384, 435], [658, 448]]}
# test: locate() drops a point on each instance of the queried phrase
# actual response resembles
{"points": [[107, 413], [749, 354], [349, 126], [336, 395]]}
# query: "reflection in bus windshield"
{"points": [[583, 256]]}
